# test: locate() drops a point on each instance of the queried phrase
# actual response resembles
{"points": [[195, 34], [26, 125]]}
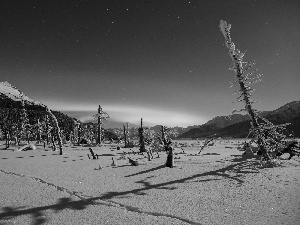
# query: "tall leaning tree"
{"points": [[268, 136]]}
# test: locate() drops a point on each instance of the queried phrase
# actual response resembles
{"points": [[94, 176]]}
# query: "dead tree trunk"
{"points": [[38, 131], [142, 138], [78, 134], [237, 58], [99, 125], [170, 158], [53, 142], [16, 140], [126, 139], [164, 139], [47, 129], [57, 129], [28, 137], [127, 134], [101, 115], [163, 135], [7, 140]]}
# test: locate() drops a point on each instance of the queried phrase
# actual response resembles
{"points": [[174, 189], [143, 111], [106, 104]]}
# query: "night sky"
{"points": [[165, 61]]}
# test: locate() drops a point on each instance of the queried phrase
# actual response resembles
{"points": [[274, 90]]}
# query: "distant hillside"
{"points": [[178, 130], [238, 126], [224, 121], [286, 112], [10, 96], [222, 126], [11, 100], [235, 126]]}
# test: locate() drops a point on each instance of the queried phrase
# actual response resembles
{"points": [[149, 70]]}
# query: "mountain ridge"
{"points": [[239, 127], [235, 125]]}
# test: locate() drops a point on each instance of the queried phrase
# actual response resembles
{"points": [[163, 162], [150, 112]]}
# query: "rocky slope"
{"points": [[238, 126]]}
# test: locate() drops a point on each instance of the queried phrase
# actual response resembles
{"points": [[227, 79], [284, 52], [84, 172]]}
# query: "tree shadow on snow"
{"points": [[211, 153], [37, 214], [147, 171], [233, 172]]}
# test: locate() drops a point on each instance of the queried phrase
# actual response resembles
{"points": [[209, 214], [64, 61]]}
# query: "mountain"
{"points": [[134, 134], [235, 126], [223, 126], [10, 96], [238, 126], [177, 130], [286, 112], [11, 101], [224, 121]]}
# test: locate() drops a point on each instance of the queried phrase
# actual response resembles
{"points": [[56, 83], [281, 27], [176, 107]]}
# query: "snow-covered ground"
{"points": [[218, 187]]}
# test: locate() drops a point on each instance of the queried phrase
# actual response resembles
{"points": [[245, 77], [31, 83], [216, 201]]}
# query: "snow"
{"points": [[217, 187]]}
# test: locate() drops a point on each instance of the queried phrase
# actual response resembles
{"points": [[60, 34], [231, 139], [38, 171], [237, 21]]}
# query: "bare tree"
{"points": [[142, 137], [268, 136], [100, 116]]}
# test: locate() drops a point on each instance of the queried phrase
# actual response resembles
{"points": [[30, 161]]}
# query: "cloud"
{"points": [[132, 114]]}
